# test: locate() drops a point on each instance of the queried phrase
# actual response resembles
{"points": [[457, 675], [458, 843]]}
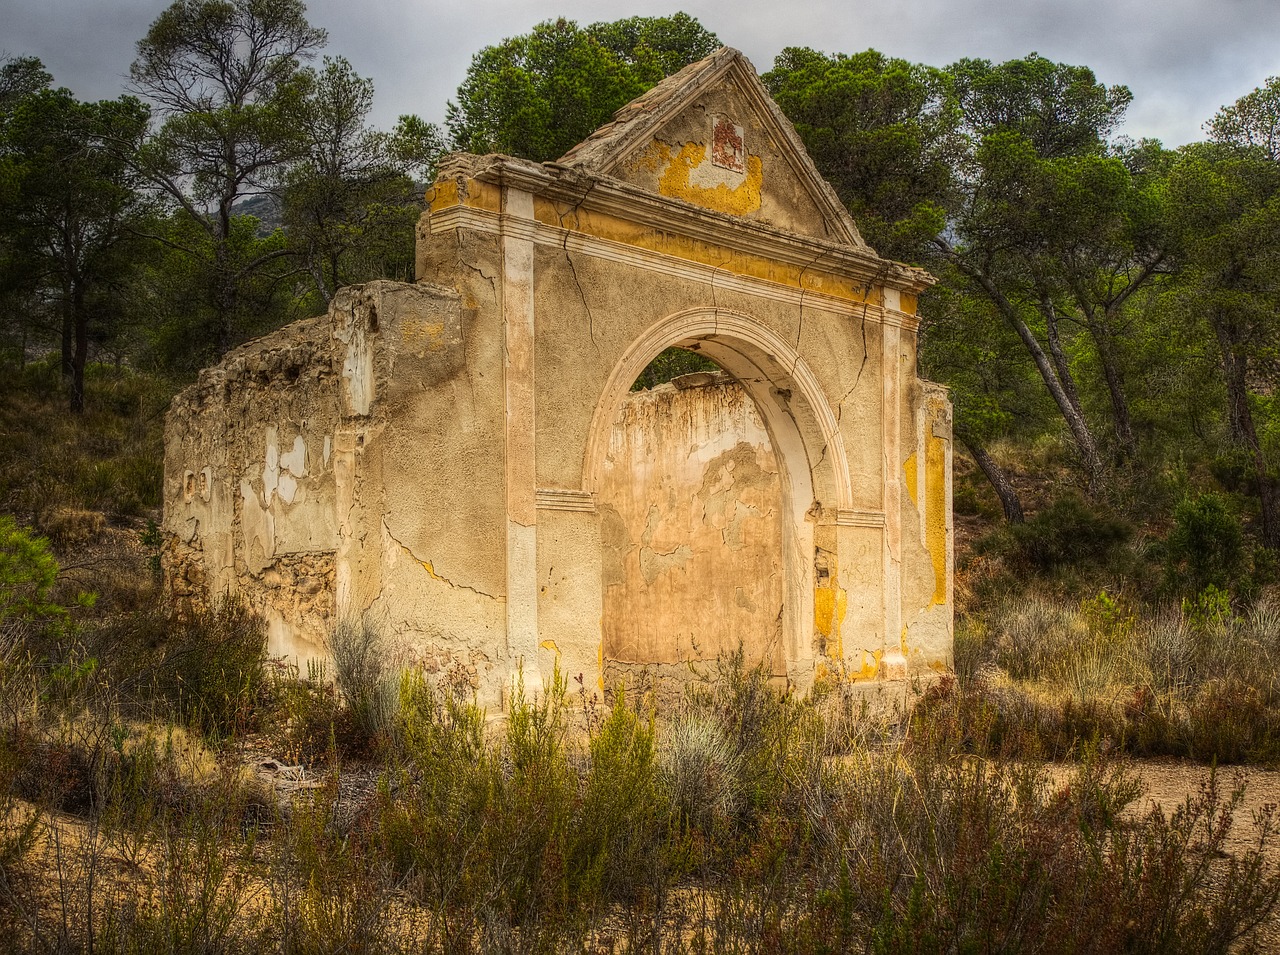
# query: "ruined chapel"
{"points": [[463, 463]]}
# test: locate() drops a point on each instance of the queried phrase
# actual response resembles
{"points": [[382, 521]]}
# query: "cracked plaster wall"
{"points": [[313, 474], [249, 484], [689, 504]]}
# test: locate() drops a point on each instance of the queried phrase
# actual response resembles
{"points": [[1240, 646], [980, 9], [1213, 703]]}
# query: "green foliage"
{"points": [[207, 667], [68, 476], [27, 575], [539, 94], [1067, 533], [1224, 218], [618, 847], [535, 801], [477, 838], [226, 80], [1252, 122], [1040, 678], [218, 669], [883, 131], [1059, 110], [68, 200], [350, 203], [672, 363], [1206, 546]]}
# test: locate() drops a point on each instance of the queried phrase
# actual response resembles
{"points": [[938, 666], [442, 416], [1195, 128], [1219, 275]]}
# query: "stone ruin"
{"points": [[462, 464]]}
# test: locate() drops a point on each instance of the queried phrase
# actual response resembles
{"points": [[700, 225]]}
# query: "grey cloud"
{"points": [[1182, 58]]}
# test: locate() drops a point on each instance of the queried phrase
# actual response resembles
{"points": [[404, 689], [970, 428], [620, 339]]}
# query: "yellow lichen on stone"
{"points": [[935, 513], [474, 194], [869, 668], [733, 261], [909, 471], [483, 195], [428, 336], [830, 602], [442, 195], [676, 182]]}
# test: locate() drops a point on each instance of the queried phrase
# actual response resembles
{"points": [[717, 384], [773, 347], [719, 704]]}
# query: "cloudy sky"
{"points": [[1182, 58]]}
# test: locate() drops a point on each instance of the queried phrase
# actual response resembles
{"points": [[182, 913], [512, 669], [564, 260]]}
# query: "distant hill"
{"points": [[266, 208]]}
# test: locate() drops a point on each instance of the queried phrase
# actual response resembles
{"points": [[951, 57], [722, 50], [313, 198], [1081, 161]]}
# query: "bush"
{"points": [[304, 718], [28, 572], [1206, 546], [700, 770], [211, 668], [1066, 533], [1042, 678], [365, 679], [619, 840]]}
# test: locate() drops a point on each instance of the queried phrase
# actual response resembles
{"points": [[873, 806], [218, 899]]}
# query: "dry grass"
{"points": [[1040, 677]]}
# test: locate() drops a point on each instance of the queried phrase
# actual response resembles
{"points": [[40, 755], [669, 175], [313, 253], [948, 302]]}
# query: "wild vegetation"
{"points": [[745, 820], [1106, 319]]}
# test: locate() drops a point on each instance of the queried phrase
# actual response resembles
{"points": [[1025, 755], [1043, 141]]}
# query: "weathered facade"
{"points": [[434, 457]]}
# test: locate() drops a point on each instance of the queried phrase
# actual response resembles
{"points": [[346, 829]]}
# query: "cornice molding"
{"points": [[582, 243], [557, 499], [578, 190], [851, 517]]}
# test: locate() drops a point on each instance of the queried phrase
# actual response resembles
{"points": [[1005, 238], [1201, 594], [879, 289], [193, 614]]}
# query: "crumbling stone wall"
{"points": [[249, 483]]}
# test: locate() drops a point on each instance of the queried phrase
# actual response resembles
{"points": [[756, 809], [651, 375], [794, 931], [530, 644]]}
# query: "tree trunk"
{"points": [[81, 353], [1235, 369], [1071, 413], [1059, 355], [224, 303], [1119, 402], [999, 481], [68, 331], [1100, 332]]}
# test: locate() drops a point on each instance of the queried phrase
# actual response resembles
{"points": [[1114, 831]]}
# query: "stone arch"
{"points": [[798, 417]]}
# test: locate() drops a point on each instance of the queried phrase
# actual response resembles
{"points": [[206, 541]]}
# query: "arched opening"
{"points": [[762, 436], [690, 505]]}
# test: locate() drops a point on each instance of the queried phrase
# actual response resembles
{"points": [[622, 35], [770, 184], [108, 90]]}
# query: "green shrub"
{"points": [[303, 717], [211, 667], [969, 648], [619, 838], [28, 572], [1066, 533], [1205, 547], [332, 886], [535, 799]]}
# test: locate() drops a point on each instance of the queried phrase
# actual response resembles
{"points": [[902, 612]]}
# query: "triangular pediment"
{"points": [[710, 135]]}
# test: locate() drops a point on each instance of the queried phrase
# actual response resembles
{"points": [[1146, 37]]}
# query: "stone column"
{"points": [[893, 663], [521, 475]]}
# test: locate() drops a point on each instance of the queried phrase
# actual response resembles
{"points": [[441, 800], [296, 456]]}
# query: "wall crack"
{"points": [[427, 566]]}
